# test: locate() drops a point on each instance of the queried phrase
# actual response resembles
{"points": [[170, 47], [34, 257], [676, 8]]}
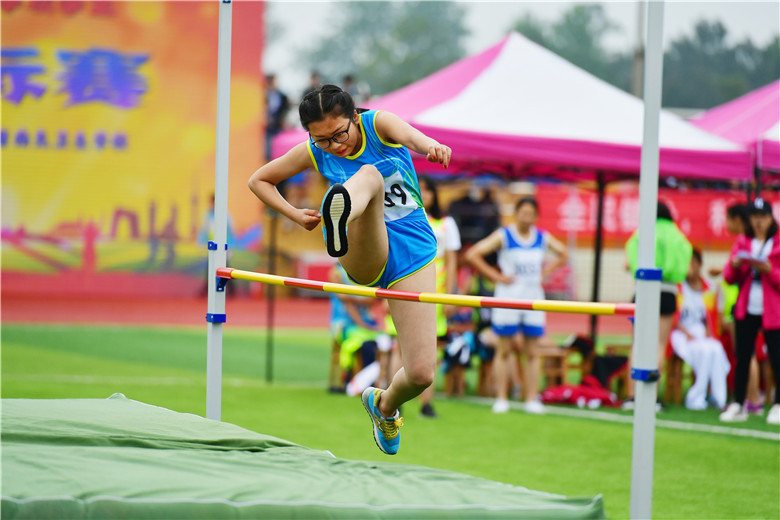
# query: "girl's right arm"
{"points": [[477, 253], [263, 184]]}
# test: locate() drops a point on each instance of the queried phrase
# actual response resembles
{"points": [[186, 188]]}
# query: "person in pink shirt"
{"points": [[754, 265]]}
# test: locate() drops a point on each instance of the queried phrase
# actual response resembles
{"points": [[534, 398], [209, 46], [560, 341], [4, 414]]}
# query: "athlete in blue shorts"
{"points": [[521, 248], [373, 221]]}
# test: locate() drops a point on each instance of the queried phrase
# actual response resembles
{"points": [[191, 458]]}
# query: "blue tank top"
{"points": [[522, 259], [402, 191]]}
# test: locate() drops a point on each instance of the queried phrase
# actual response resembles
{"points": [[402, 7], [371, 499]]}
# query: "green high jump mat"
{"points": [[119, 458]]}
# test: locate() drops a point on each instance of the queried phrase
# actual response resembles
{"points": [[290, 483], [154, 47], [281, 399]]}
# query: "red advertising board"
{"points": [[701, 214]]}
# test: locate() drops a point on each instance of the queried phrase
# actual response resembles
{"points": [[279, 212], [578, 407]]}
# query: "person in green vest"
{"points": [[673, 254]]}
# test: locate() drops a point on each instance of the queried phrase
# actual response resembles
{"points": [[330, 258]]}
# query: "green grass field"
{"points": [[697, 474]]}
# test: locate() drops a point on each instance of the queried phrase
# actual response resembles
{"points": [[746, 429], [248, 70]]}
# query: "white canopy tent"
{"points": [[518, 108]]}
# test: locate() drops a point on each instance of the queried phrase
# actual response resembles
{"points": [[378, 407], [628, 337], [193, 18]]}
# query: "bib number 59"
{"points": [[392, 197]]}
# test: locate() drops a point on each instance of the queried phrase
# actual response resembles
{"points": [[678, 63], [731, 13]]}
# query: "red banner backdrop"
{"points": [[700, 214]]}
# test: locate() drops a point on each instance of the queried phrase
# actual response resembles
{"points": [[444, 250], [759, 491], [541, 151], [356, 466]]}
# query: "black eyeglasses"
{"points": [[341, 137]]}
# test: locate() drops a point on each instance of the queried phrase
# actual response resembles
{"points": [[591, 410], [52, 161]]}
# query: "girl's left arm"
{"points": [[561, 253], [393, 129]]}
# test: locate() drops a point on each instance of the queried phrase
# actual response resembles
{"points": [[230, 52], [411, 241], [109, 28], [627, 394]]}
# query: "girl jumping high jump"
{"points": [[374, 222]]}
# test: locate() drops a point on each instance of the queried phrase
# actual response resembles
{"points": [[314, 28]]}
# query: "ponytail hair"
{"points": [[325, 100]]}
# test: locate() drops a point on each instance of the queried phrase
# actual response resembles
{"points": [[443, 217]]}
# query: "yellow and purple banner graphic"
{"points": [[108, 134]]}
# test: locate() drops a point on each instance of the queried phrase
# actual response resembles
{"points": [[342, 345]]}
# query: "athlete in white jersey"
{"points": [[521, 250]]}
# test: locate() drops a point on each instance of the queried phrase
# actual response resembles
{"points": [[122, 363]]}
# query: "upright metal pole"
{"points": [[648, 283], [599, 247], [271, 300], [218, 248], [638, 63]]}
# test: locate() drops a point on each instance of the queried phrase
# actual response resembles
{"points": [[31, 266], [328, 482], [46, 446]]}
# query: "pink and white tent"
{"points": [[520, 109], [768, 149], [750, 120]]}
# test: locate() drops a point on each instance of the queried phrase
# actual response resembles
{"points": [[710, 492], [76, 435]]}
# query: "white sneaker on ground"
{"points": [[535, 407], [773, 417], [501, 406], [734, 412]]}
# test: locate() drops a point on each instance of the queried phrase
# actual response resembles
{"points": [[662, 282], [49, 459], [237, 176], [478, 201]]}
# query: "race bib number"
{"points": [[398, 199]]}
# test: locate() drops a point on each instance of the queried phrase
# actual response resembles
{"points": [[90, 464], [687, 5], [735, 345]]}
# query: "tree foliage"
{"points": [[389, 44], [577, 36], [701, 70]]}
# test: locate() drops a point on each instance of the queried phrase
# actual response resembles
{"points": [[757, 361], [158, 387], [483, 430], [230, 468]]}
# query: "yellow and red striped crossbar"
{"points": [[625, 309]]}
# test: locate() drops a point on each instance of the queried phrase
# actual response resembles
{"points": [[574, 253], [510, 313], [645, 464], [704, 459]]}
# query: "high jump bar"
{"points": [[624, 309]]}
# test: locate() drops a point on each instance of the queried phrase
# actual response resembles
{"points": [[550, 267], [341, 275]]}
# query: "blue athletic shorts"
{"points": [[508, 322], [412, 246], [529, 331]]}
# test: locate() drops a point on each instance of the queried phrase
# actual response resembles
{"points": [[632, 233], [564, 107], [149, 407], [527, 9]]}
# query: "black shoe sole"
{"points": [[335, 212]]}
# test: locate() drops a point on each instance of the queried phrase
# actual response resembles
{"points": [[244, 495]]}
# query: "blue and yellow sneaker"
{"points": [[386, 433], [336, 206]]}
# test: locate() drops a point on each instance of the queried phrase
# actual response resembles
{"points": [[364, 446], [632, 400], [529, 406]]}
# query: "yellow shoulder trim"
{"points": [[311, 154], [392, 145], [363, 144]]}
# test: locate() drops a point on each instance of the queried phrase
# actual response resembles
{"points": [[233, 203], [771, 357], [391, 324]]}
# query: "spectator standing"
{"points": [[521, 248], [315, 82], [754, 264], [673, 254], [475, 214], [737, 224], [276, 107], [359, 90], [349, 85]]}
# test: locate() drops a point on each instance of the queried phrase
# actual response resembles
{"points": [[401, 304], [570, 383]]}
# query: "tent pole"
{"points": [[598, 246], [271, 300], [648, 283], [218, 248]]}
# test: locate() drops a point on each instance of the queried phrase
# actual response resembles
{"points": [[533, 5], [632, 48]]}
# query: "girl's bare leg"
{"points": [[531, 369], [501, 364], [416, 326], [366, 232]]}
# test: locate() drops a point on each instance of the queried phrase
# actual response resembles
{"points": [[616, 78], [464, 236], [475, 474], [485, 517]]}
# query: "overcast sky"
{"points": [[487, 22]]}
